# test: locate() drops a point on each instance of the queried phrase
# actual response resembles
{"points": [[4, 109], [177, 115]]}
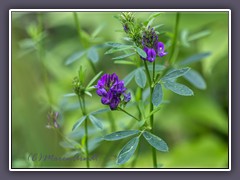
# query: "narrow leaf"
{"points": [[101, 111], [129, 77], [79, 122], [116, 49], [70, 95], [93, 55], [124, 56], [94, 79], [154, 111], [156, 142], [157, 95], [95, 121], [184, 38], [158, 26], [127, 151], [88, 93], [74, 57], [194, 58], [124, 62], [71, 153], [178, 88], [199, 35], [158, 67], [71, 144], [140, 78], [175, 74], [195, 79], [98, 30], [113, 44], [141, 52], [120, 135]]}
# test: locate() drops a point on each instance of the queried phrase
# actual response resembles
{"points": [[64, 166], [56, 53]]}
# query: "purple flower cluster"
{"points": [[151, 45], [112, 91]]}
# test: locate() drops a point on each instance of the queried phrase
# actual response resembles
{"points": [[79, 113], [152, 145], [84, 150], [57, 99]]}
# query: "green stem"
{"points": [[83, 108], [154, 63], [175, 37], [148, 74], [128, 113], [76, 20], [154, 155], [112, 122]]}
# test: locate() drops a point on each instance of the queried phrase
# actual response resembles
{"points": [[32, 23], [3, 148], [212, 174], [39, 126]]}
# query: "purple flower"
{"points": [[112, 90], [127, 97], [151, 54], [160, 49], [151, 45]]}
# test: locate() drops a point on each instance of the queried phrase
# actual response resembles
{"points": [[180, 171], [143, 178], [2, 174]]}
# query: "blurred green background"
{"points": [[195, 128]]}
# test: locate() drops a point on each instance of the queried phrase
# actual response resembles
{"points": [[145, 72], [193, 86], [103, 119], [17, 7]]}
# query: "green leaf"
{"points": [[184, 38], [127, 151], [195, 79], [93, 55], [98, 30], [151, 18], [154, 15], [175, 74], [156, 142], [125, 62], [194, 58], [199, 35], [154, 111], [157, 95], [94, 79], [158, 26], [101, 111], [158, 67], [120, 135], [140, 78], [129, 77], [70, 95], [74, 57], [71, 153], [81, 74], [150, 22], [95, 121], [88, 93], [178, 88], [141, 52], [124, 56], [113, 44], [79, 122], [70, 144], [116, 49]]}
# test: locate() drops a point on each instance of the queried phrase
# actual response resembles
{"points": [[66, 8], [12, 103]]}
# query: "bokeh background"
{"points": [[195, 128]]}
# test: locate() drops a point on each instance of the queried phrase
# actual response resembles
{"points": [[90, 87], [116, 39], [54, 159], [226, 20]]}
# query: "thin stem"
{"points": [[128, 113], [76, 20], [112, 122], [148, 74], [83, 108], [154, 155], [154, 63], [175, 37]]}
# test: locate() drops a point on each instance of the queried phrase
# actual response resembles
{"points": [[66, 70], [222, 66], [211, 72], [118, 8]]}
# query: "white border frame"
{"points": [[117, 10]]}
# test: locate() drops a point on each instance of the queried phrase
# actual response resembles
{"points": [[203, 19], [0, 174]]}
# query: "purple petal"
{"points": [[127, 97], [151, 55]]}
